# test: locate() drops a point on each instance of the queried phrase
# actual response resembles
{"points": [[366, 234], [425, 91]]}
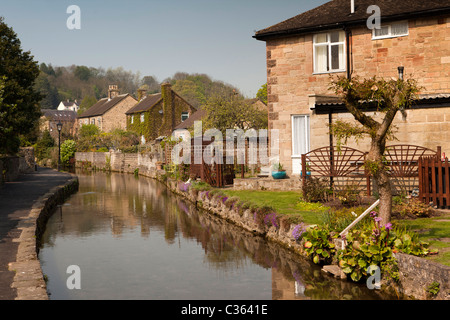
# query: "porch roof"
{"points": [[325, 104]]}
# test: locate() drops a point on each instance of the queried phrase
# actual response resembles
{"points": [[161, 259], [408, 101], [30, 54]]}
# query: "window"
{"points": [[184, 116], [329, 52], [92, 121], [397, 29], [142, 117], [300, 141], [132, 119], [300, 135]]}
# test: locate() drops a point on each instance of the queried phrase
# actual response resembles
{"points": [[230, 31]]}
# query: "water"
{"points": [[133, 239]]}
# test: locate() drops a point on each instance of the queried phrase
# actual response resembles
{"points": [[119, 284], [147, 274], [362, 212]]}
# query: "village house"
{"points": [[334, 39], [109, 113], [69, 106], [158, 114], [50, 118]]}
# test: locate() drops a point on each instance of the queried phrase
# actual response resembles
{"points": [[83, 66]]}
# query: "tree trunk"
{"points": [[383, 181]]}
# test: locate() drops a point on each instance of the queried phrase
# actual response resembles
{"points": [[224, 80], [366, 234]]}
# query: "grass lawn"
{"points": [[435, 231], [284, 202]]}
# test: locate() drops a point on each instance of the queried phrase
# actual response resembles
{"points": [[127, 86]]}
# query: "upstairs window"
{"points": [[184, 116], [329, 52], [397, 29], [142, 117]]}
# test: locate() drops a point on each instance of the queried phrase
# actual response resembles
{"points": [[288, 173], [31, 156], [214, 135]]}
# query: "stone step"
{"points": [[334, 270]]}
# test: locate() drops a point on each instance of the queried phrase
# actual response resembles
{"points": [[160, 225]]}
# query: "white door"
{"points": [[300, 141]]}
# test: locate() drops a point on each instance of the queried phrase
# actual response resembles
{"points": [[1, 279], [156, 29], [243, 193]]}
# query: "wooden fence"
{"points": [[434, 177], [345, 167]]}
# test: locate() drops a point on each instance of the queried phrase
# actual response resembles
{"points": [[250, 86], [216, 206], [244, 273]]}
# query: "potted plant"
{"points": [[308, 170], [278, 171]]}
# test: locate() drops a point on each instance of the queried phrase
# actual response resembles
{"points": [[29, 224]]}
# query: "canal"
{"points": [[131, 238]]}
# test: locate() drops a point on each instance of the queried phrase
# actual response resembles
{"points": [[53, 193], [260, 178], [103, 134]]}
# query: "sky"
{"points": [[155, 37]]}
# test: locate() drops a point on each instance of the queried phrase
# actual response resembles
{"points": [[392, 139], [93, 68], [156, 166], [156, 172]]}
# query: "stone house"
{"points": [[158, 114], [51, 117], [109, 113], [335, 39]]}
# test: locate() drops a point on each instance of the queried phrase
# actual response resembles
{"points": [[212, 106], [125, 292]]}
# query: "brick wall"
{"points": [[425, 54]]}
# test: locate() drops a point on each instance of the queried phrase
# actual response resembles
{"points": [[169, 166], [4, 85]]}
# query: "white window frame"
{"points": [[390, 35], [142, 117], [307, 132], [329, 44], [132, 119], [186, 114]]}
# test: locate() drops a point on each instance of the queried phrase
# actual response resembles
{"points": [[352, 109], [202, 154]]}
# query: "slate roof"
{"points": [[59, 115], [189, 122], [102, 106], [337, 14], [146, 103]]}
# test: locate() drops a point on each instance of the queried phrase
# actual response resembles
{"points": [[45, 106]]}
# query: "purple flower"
{"points": [[298, 231], [377, 219], [224, 199], [388, 226], [272, 218], [373, 214]]}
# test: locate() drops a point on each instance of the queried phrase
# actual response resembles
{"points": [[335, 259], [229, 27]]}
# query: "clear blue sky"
{"points": [[155, 37]]}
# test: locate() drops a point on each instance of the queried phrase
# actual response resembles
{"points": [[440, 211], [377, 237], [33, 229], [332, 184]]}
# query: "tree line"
{"points": [[88, 85]]}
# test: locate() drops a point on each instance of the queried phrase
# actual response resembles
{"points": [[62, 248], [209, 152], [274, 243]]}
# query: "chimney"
{"points": [[141, 93], [352, 6], [113, 91]]}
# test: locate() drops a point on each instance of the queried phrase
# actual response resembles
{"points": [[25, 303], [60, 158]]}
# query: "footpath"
{"points": [[18, 199]]}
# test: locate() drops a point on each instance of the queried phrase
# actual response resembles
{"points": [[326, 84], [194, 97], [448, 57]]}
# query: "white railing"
{"points": [[365, 213]]}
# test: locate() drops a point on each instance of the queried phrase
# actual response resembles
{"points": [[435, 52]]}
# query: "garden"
{"points": [[318, 218]]}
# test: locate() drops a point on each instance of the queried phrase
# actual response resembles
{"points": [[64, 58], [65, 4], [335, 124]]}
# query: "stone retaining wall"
{"points": [[29, 279]]}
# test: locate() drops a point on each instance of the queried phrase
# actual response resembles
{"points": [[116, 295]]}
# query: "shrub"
{"points": [[315, 190], [413, 208], [319, 244], [349, 195], [68, 149]]}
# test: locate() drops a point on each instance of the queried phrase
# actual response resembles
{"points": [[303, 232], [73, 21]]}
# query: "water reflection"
{"points": [[135, 240]]}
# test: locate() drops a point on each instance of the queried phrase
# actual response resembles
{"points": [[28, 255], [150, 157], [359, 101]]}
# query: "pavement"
{"points": [[16, 201]]}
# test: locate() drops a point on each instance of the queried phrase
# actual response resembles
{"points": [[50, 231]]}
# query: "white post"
{"points": [[359, 218], [352, 6]]}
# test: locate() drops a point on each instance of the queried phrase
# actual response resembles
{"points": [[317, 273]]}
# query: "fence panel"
{"points": [[434, 181]]}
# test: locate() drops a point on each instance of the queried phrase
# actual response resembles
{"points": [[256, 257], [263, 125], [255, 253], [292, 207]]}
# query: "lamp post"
{"points": [[59, 127]]}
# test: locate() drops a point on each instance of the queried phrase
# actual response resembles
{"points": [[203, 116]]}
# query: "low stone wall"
{"points": [[13, 166], [118, 162], [267, 184], [29, 279], [417, 274]]}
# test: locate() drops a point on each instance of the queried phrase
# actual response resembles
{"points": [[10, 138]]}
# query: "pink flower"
{"points": [[388, 226]]}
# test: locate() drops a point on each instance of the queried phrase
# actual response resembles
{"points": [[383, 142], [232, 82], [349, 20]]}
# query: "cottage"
{"points": [[158, 114], [109, 113], [335, 39], [69, 106], [50, 118]]}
